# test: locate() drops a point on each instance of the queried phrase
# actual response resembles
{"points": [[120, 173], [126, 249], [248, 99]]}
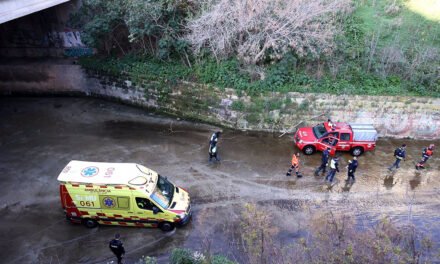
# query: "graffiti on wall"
{"points": [[72, 44], [69, 40]]}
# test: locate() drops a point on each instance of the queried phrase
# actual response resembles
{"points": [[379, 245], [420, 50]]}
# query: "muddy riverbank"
{"points": [[40, 135], [392, 116]]}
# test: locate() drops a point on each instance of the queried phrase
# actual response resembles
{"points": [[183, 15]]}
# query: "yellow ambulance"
{"points": [[125, 194]]}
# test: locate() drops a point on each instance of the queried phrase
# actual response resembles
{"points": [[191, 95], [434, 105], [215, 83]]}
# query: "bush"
{"points": [[270, 30], [218, 259], [147, 260], [186, 256], [182, 256], [238, 105]]}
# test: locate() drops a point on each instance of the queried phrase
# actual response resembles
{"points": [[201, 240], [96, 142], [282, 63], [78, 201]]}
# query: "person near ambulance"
{"points": [[351, 169], [117, 248], [324, 160], [294, 166], [399, 154], [426, 154], [334, 167]]}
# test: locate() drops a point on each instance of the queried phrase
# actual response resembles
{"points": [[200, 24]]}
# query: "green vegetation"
{"points": [[376, 47], [185, 256]]}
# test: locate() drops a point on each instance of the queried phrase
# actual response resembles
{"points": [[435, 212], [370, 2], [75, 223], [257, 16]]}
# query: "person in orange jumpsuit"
{"points": [[426, 154], [295, 166]]}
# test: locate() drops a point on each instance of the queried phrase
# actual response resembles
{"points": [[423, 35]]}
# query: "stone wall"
{"points": [[48, 77], [416, 117]]}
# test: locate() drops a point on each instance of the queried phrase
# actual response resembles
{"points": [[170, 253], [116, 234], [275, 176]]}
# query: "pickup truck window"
{"points": [[345, 136], [319, 130]]}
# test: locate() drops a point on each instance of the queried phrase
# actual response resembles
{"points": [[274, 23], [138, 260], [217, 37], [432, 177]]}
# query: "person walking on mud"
{"points": [[399, 154], [324, 160], [213, 146], [352, 166], [426, 154], [117, 248], [334, 167], [295, 166], [213, 152], [214, 138]]}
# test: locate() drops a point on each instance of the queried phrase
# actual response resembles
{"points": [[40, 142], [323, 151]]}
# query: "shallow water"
{"points": [[39, 136]]}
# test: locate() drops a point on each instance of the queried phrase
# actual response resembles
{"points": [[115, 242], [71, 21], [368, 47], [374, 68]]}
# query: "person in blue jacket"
{"points": [[117, 248], [352, 166], [399, 154], [324, 160]]}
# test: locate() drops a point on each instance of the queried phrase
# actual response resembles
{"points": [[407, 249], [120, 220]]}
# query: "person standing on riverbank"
{"points": [[334, 167], [324, 160], [399, 154], [294, 166], [117, 248], [352, 166], [213, 146], [426, 154]]}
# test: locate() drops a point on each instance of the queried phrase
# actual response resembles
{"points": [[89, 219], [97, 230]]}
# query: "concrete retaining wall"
{"points": [[415, 117]]}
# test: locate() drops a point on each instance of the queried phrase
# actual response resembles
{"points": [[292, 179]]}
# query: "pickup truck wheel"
{"points": [[166, 226], [357, 151], [90, 223], [309, 150]]}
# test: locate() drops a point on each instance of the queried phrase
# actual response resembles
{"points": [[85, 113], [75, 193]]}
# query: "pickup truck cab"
{"points": [[339, 136]]}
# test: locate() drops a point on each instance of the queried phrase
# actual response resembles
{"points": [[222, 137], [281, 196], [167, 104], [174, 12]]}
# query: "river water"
{"points": [[39, 136]]}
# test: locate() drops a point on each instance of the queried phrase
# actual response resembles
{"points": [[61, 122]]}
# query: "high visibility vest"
{"points": [[295, 161], [333, 164], [429, 152]]}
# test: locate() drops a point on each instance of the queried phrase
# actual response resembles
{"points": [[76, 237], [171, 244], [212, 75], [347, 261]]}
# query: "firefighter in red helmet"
{"points": [[426, 154]]}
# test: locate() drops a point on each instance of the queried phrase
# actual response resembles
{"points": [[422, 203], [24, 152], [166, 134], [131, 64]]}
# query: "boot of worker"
{"points": [[316, 172], [298, 174]]}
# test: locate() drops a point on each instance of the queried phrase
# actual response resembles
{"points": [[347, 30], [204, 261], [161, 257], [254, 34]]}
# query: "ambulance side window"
{"points": [[144, 204]]}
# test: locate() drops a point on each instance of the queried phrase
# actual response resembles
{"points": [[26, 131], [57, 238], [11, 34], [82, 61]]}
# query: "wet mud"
{"points": [[39, 136]]}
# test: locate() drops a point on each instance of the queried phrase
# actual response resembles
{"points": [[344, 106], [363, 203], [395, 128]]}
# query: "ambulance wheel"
{"points": [[90, 223], [309, 150], [357, 151], [166, 226]]}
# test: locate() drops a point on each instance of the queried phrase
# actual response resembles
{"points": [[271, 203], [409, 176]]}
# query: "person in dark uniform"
{"points": [[214, 138], [117, 248], [324, 160], [213, 146], [399, 154], [213, 152], [352, 166]]}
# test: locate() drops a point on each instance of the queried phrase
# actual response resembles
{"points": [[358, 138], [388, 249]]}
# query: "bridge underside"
{"points": [[12, 9]]}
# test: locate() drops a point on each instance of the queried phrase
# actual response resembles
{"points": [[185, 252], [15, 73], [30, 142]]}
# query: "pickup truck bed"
{"points": [[364, 132]]}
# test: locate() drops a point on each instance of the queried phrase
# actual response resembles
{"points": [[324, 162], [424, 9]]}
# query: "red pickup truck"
{"points": [[356, 138]]}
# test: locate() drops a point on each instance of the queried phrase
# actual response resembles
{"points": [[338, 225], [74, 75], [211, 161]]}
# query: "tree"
{"points": [[147, 27], [258, 30]]}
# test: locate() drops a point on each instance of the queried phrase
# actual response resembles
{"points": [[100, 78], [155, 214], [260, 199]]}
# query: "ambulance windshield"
{"points": [[163, 194]]}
